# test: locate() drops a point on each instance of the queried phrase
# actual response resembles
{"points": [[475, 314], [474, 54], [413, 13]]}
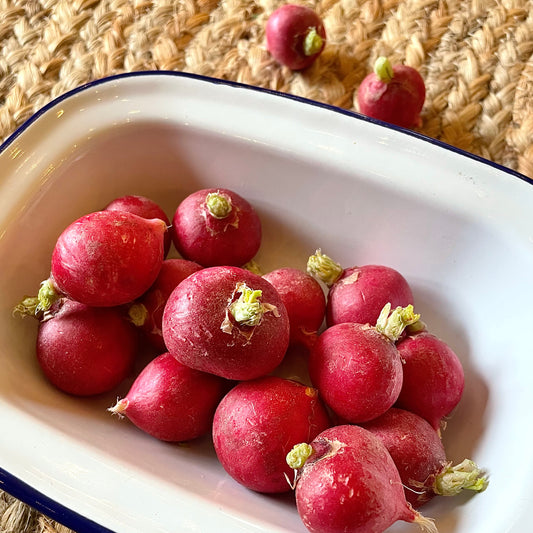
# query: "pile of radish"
{"points": [[357, 441]]}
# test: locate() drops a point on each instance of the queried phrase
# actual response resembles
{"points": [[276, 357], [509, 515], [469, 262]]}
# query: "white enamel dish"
{"points": [[458, 228]]}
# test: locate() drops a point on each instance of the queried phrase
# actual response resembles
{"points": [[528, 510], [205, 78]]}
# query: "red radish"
{"points": [[108, 258], [295, 36], [85, 350], [103, 259], [143, 207], [420, 457], [393, 93], [258, 422], [170, 401], [347, 483], [147, 311], [216, 227], [227, 321], [304, 300], [433, 377], [358, 293], [357, 368]]}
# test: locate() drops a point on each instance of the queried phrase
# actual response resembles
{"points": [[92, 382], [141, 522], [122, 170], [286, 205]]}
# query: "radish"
{"points": [[147, 311], [170, 401], [103, 259], [216, 227], [227, 321], [258, 422], [420, 457], [143, 207], [85, 350], [295, 36], [392, 93], [358, 293], [357, 368], [304, 300], [433, 377], [347, 482]]}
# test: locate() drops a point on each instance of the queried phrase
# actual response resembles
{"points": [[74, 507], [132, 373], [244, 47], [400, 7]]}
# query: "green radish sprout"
{"points": [[296, 459], [39, 305], [299, 454], [323, 268], [247, 309], [464, 476], [27, 307], [253, 266], [393, 324], [383, 69], [218, 205], [312, 43]]}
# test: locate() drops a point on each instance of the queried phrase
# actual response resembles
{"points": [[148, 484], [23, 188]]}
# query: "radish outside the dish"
{"points": [[85, 350], [170, 401], [347, 482], [147, 311], [227, 321], [304, 300], [143, 207], [357, 368], [420, 457], [215, 227], [358, 293], [433, 377], [295, 36], [392, 93], [258, 422]]}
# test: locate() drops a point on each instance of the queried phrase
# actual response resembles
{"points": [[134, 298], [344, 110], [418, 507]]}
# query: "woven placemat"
{"points": [[476, 57]]}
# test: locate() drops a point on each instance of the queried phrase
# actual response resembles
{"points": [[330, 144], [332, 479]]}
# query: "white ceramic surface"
{"points": [[458, 228]]}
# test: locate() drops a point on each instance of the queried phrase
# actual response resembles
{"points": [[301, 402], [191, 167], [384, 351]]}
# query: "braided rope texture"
{"points": [[476, 57], [16, 517]]}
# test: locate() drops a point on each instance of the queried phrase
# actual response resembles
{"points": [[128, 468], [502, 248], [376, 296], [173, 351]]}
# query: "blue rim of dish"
{"points": [[230, 83], [24, 492], [47, 506]]}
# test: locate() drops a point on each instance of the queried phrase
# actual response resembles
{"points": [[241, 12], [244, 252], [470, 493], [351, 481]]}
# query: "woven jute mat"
{"points": [[476, 57]]}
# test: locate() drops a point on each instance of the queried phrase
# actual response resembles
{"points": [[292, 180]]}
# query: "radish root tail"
{"points": [[427, 525]]}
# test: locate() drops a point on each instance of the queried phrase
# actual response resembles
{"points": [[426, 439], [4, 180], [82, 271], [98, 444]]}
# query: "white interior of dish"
{"points": [[459, 231]]}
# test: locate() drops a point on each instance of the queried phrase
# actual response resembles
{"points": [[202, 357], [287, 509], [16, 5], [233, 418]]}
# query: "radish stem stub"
{"points": [[383, 69], [137, 314], [253, 267], [464, 476], [38, 305], [218, 205], [47, 296], [392, 324], [247, 309], [323, 268], [299, 454], [312, 43]]}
